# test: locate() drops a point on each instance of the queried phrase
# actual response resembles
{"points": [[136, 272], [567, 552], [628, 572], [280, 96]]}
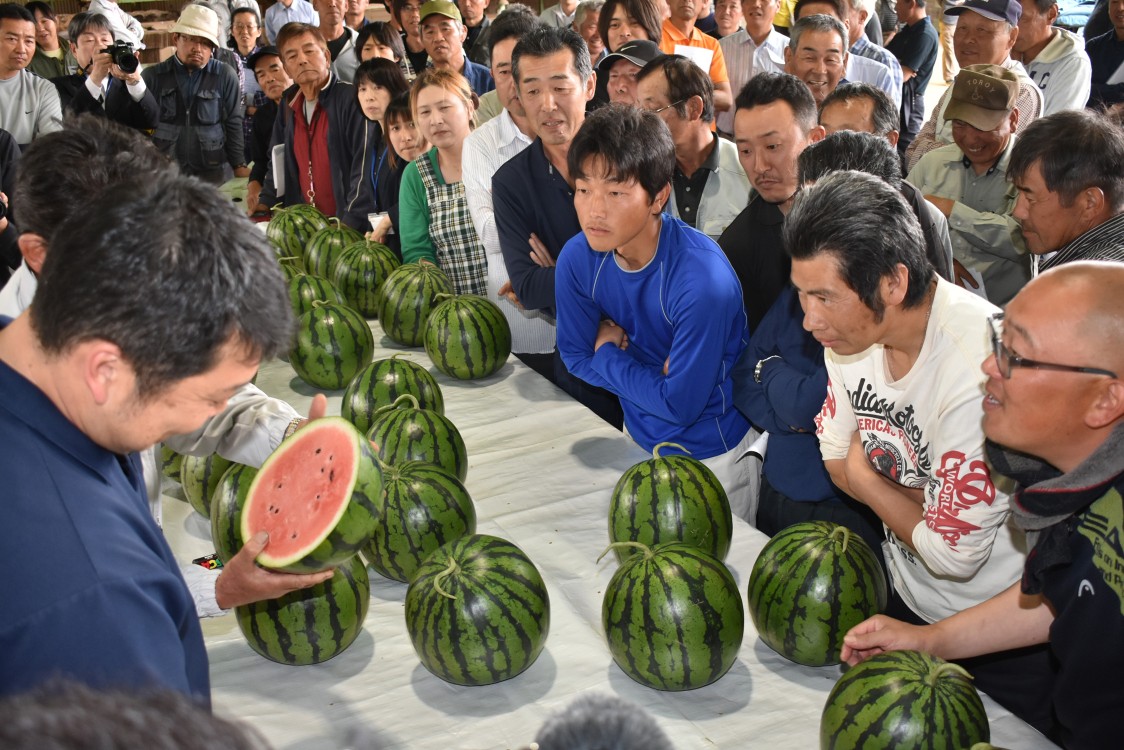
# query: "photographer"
{"points": [[108, 81]]}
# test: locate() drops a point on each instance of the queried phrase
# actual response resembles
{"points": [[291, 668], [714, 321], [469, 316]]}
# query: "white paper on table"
{"points": [[278, 159], [700, 56]]}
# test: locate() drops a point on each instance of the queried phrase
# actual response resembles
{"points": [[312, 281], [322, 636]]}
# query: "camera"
{"points": [[123, 57]]}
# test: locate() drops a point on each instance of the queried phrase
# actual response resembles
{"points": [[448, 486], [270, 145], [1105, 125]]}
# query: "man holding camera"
{"points": [[108, 83], [199, 122]]}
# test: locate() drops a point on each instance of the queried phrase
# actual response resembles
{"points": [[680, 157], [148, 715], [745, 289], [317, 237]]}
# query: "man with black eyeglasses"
{"points": [[1053, 416]]}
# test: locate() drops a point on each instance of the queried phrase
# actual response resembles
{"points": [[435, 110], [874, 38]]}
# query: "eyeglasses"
{"points": [[1006, 360], [669, 106]]}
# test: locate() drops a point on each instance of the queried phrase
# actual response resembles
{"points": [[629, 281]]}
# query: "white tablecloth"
{"points": [[541, 470]]}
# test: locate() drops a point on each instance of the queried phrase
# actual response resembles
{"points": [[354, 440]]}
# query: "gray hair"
{"points": [[602, 722], [585, 8], [817, 22]]}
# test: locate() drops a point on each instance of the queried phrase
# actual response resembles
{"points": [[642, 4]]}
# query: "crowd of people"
{"points": [[726, 228]]}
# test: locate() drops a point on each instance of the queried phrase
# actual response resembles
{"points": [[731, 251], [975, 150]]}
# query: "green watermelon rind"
{"points": [[354, 522], [359, 271], [673, 620], [332, 343], [326, 245], [226, 510], [411, 434], [467, 337], [304, 289], [370, 390], [906, 700], [313, 625], [406, 299], [199, 475], [497, 622], [804, 593], [291, 228]]}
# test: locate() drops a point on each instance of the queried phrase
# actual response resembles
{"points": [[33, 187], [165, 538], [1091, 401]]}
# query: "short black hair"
{"points": [[516, 20], [883, 114], [80, 23], [384, 34], [862, 152], [645, 12], [633, 143], [868, 227], [170, 271], [841, 8], [249, 10], [38, 5], [1074, 150], [684, 80], [14, 12], [768, 87], [382, 73], [543, 41]]}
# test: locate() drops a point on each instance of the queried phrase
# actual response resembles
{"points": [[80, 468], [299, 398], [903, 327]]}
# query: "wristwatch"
{"points": [[760, 365]]}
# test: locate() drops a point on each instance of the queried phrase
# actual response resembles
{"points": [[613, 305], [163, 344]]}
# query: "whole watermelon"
{"points": [[904, 700], [199, 476], [673, 617], [291, 265], [311, 625], [403, 432], [467, 337], [316, 496], [171, 463], [477, 611], [360, 270], [381, 383], [812, 583], [422, 507], [304, 289], [670, 499], [291, 228], [331, 345], [326, 245], [406, 299], [226, 509]]}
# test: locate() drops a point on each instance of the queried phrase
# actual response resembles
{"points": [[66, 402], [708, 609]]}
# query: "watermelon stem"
{"points": [[948, 668], [639, 545], [656, 450], [841, 531], [450, 570], [405, 396]]}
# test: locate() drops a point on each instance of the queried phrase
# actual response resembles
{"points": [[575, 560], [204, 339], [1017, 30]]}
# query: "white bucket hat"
{"points": [[197, 20]]}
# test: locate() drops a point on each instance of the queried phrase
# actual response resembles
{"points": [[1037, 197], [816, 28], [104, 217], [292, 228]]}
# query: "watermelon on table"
{"points": [[672, 498], [904, 700], [291, 228], [812, 583], [673, 616], [171, 463], [304, 289], [316, 496], [331, 345], [360, 270], [467, 337], [311, 625], [422, 507], [199, 475], [404, 432], [291, 265], [406, 299], [226, 509], [326, 245], [381, 383], [477, 611]]}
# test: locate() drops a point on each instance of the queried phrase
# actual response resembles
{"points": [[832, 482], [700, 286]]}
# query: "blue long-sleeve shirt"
{"points": [[684, 307], [786, 401]]}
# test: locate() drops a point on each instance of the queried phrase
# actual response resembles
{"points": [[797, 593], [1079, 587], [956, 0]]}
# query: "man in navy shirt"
{"points": [[129, 340]]}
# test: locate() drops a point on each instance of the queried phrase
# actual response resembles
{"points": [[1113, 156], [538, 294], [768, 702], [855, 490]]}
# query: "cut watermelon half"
{"points": [[316, 498]]}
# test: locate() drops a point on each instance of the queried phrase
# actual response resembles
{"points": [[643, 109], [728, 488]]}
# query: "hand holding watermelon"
{"points": [[880, 634], [243, 581]]}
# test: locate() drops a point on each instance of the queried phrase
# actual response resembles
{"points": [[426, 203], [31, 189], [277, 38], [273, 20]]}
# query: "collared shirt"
{"points": [[689, 188], [713, 196], [745, 59], [673, 37], [1103, 242], [136, 91], [866, 48], [277, 15]]}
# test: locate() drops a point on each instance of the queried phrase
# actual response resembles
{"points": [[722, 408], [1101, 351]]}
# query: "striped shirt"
{"points": [[1102, 242], [745, 59]]}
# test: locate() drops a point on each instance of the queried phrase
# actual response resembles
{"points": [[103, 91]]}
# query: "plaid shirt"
{"points": [[865, 48]]}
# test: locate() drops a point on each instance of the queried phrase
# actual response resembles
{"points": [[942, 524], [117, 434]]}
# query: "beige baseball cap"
{"points": [[982, 96]]}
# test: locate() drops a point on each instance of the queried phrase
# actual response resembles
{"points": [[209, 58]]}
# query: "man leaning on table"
{"points": [[1054, 419], [649, 308]]}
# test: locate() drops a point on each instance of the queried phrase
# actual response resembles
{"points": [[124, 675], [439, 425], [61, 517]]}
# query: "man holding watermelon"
{"points": [[1053, 413]]}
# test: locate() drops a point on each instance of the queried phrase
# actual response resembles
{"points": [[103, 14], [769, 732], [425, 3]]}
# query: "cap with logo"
{"points": [[267, 51], [982, 96], [636, 51], [997, 10], [441, 8], [197, 20]]}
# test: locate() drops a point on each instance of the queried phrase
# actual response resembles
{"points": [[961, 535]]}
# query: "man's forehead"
{"points": [[764, 119], [17, 26], [267, 62]]}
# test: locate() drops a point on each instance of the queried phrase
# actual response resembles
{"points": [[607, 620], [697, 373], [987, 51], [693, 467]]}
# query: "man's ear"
{"points": [[103, 369], [895, 285], [34, 250], [1108, 408]]}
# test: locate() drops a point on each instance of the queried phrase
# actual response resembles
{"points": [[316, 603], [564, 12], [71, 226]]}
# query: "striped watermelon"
{"points": [[326, 245], [477, 611], [413, 434], [311, 625], [304, 289], [226, 509], [422, 508], [316, 496], [904, 700], [380, 383], [670, 499], [406, 298], [332, 343], [171, 463], [291, 228], [358, 272], [291, 265], [673, 617], [467, 337], [812, 583], [199, 476]]}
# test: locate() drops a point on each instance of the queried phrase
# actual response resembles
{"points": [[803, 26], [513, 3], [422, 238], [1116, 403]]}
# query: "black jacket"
{"points": [[119, 104]]}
